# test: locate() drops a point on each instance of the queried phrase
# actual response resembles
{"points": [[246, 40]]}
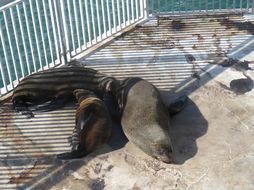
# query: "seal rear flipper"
{"points": [[61, 98], [72, 155], [50, 106], [178, 105]]}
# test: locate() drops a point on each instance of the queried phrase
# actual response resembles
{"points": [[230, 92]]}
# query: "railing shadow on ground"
{"points": [[187, 127]]}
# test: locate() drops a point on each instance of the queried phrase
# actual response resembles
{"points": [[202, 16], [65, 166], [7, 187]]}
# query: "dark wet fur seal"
{"points": [[93, 125], [145, 118], [51, 89]]}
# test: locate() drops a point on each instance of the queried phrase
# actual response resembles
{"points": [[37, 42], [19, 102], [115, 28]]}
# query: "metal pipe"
{"points": [[77, 24], [36, 35], [11, 46], [98, 19], [82, 23], [17, 43], [47, 27], [23, 40], [29, 36], [70, 21], [114, 15], [54, 30], [93, 22], [103, 18], [6, 56], [42, 33], [109, 20]]}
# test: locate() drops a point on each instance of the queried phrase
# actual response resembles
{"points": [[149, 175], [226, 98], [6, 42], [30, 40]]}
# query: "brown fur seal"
{"points": [[93, 125], [51, 89], [145, 118]]}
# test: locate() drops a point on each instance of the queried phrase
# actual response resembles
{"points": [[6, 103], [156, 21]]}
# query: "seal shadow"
{"points": [[60, 169], [186, 127]]}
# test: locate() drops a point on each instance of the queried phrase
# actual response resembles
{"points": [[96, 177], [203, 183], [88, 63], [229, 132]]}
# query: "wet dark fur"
{"points": [[93, 125], [145, 118], [51, 89]]}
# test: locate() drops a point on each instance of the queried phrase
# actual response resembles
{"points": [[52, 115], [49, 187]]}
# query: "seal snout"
{"points": [[165, 155]]}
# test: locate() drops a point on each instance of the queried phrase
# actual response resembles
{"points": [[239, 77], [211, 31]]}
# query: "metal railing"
{"points": [[30, 41], [176, 7], [37, 34], [40, 34]]}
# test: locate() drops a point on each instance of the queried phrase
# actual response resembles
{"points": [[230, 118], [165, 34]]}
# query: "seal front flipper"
{"points": [[112, 106], [61, 98], [178, 105]]}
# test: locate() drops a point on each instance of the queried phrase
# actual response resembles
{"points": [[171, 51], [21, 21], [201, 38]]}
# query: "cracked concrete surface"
{"points": [[212, 137]]}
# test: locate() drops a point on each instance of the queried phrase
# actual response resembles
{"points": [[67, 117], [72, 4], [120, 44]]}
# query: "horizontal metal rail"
{"points": [[179, 7]]}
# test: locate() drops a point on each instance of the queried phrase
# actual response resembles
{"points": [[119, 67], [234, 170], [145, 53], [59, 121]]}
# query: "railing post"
{"points": [[61, 29], [252, 7], [146, 9]]}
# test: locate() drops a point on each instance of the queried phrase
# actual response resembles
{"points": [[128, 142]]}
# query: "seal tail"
{"points": [[72, 155]]}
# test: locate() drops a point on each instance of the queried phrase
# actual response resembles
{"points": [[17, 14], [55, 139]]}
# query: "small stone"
{"points": [[77, 176]]}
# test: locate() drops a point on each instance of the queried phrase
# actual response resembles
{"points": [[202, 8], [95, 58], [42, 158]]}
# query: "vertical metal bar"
{"points": [[64, 21], [153, 7], [88, 23], [252, 6], [199, 6], [103, 18], [3, 76], [10, 43], [137, 13], [142, 8], [77, 23], [128, 11], [6, 57], [234, 5], [29, 36], [220, 5], [23, 39], [192, 6], [213, 6], [119, 15], [36, 35], [114, 15], [82, 22], [179, 6], [42, 34], [206, 6], [185, 6], [173, 6], [166, 5], [159, 7], [132, 10], [93, 22], [54, 30], [72, 32], [146, 8], [241, 4], [17, 42], [109, 20], [98, 19], [124, 18], [227, 5], [47, 26]]}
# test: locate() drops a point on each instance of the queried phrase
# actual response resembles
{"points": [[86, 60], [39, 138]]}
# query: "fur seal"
{"points": [[93, 125], [51, 89], [145, 119]]}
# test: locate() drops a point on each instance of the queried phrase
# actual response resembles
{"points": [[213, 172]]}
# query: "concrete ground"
{"points": [[208, 58]]}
